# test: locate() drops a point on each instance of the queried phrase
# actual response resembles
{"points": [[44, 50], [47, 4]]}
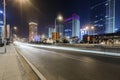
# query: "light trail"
{"points": [[70, 49]]}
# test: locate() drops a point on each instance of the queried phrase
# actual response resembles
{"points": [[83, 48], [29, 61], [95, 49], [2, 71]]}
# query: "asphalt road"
{"points": [[70, 65]]}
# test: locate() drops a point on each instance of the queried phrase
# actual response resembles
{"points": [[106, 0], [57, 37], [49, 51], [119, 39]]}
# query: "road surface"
{"points": [[57, 64]]}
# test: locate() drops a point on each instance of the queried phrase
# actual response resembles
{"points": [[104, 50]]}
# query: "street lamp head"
{"points": [[60, 17], [15, 28], [92, 27], [86, 28], [22, 1], [1, 12]]}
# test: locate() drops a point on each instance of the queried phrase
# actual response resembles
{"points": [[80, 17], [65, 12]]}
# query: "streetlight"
{"points": [[13, 30], [5, 28], [22, 1], [93, 29], [88, 28], [1, 12], [60, 18], [4, 16]]}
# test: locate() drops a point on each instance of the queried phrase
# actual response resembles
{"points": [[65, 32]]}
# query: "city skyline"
{"points": [[44, 16], [59, 40], [45, 13]]}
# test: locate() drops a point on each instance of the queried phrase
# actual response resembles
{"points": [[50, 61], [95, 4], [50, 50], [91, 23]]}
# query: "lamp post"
{"points": [[93, 29], [60, 18], [4, 16], [1, 12], [5, 29], [88, 28], [13, 30]]}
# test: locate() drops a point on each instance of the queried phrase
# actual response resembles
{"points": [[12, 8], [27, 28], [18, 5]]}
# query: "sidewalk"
{"points": [[9, 69]]}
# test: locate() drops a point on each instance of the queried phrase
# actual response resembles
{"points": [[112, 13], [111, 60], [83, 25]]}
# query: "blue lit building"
{"points": [[1, 23], [71, 26], [50, 31], [103, 16], [67, 30], [117, 15]]}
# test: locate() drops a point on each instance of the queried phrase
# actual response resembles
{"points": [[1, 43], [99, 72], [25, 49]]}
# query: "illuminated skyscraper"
{"points": [[76, 25], [69, 28], [50, 31], [60, 29], [32, 31], [110, 24], [72, 26], [103, 16], [1, 22]]}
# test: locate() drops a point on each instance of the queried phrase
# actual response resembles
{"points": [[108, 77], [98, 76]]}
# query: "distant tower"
{"points": [[103, 16], [72, 26], [1, 23], [32, 30], [110, 24], [1, 30], [60, 29], [50, 31], [76, 25]]}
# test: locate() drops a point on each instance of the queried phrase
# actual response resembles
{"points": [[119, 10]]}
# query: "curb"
{"points": [[31, 65]]}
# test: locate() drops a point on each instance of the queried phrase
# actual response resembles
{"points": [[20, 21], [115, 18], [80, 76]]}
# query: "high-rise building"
{"points": [[1, 22], [72, 26], [1, 31], [50, 31], [117, 15], [103, 16], [32, 31], [67, 31], [60, 28], [75, 25]]}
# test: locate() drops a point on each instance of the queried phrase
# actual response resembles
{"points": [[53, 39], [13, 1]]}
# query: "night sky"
{"points": [[44, 13]]}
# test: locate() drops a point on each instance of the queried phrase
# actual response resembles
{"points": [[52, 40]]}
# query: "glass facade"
{"points": [[72, 26], [50, 31], [1, 23], [0, 31], [117, 15], [68, 29], [103, 16]]}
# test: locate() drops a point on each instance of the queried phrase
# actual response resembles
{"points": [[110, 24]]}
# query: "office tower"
{"points": [[32, 31], [50, 31], [103, 16], [72, 26]]}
